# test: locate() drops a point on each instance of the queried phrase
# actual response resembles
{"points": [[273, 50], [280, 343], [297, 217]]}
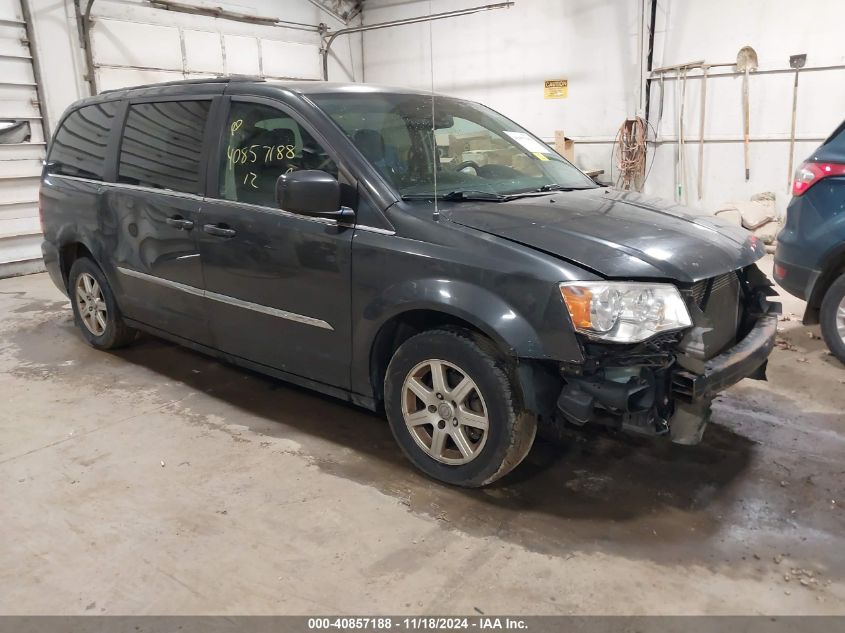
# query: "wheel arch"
{"points": [[69, 253], [402, 326], [833, 267], [431, 304]]}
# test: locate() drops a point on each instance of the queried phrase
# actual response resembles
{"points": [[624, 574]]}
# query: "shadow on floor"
{"points": [[602, 485]]}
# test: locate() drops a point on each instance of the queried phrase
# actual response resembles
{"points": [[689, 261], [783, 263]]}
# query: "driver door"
{"points": [[278, 282]]}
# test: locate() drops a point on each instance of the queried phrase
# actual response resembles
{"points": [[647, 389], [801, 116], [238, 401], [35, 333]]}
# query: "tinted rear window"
{"points": [[838, 136], [162, 145], [79, 147]]}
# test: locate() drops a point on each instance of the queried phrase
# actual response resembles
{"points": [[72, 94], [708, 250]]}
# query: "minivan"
{"points": [[408, 252]]}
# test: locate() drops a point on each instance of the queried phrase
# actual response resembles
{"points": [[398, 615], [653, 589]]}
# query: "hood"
{"points": [[617, 234]]}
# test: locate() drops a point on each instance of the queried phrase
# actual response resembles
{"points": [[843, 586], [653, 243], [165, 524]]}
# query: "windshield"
{"points": [[477, 150]]}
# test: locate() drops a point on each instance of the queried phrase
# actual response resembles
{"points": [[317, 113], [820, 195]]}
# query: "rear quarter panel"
{"points": [[73, 213], [814, 232]]}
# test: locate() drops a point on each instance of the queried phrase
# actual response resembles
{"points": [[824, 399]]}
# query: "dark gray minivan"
{"points": [[396, 249]]}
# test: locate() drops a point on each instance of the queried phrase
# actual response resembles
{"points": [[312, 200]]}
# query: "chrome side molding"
{"points": [[233, 301]]}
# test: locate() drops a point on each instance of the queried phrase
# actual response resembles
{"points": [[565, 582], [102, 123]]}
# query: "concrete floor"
{"points": [[156, 480]]}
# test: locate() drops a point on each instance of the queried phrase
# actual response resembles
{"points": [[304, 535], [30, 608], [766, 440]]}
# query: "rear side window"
{"points": [[79, 147], [162, 145]]}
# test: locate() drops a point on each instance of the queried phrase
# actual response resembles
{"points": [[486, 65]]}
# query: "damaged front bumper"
{"points": [[666, 386], [695, 392], [746, 359]]}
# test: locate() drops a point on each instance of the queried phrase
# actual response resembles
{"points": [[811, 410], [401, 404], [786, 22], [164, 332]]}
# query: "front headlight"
{"points": [[624, 311]]}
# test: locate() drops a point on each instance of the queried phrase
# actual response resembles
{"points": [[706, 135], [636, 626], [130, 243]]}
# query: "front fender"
{"points": [[544, 334], [478, 306]]}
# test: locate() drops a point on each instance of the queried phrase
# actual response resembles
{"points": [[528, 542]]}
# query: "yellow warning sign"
{"points": [[556, 89]]}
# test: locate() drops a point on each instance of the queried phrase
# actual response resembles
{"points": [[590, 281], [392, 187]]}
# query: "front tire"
{"points": [[95, 310], [832, 318], [455, 408]]}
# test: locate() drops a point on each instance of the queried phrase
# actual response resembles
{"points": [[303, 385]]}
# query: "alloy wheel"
{"points": [[445, 412], [840, 319], [91, 304]]}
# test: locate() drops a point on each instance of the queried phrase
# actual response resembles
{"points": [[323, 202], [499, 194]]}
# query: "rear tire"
{"points": [[832, 318], [95, 310], [455, 407]]}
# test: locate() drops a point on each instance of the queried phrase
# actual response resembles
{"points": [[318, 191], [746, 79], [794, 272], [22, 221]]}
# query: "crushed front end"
{"points": [[665, 385]]}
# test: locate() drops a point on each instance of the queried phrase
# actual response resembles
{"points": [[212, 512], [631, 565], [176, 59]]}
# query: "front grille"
{"points": [[718, 298], [701, 290]]}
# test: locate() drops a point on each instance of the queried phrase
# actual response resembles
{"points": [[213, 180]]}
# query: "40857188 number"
{"points": [[249, 155]]}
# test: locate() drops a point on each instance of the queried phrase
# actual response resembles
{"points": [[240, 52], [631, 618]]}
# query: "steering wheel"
{"points": [[467, 163]]}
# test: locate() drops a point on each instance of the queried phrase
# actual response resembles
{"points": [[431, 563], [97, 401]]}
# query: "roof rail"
{"points": [[188, 82]]}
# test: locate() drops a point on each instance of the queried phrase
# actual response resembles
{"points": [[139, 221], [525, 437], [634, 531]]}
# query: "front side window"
{"points": [[416, 141], [162, 145], [262, 143], [79, 147]]}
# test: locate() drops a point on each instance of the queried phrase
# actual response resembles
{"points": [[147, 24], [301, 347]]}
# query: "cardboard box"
{"points": [[460, 143], [479, 157], [565, 146], [489, 156], [528, 165]]}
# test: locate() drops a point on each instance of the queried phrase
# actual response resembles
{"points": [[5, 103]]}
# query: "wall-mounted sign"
{"points": [[556, 89]]}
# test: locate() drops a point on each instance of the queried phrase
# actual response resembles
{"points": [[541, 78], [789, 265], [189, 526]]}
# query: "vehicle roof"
{"points": [[216, 85]]}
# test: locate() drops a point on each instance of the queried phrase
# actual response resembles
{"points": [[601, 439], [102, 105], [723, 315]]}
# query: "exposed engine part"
{"points": [[629, 398], [658, 353]]}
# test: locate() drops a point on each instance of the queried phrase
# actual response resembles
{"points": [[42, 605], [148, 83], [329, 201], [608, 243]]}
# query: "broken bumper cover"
{"points": [[663, 395], [745, 359]]}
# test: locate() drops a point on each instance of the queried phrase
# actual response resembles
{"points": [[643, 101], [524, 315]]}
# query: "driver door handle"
{"points": [[180, 223], [219, 230]]}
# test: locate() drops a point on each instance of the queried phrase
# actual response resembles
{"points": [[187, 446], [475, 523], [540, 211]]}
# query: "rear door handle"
{"points": [[219, 231], [180, 223]]}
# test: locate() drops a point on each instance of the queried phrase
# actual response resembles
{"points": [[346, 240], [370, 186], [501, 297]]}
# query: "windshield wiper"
{"points": [[464, 195], [460, 196], [473, 194], [556, 187]]}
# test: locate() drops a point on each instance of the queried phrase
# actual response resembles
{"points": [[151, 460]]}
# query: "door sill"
{"points": [[330, 390]]}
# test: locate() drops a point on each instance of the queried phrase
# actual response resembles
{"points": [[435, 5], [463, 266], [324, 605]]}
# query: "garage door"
{"points": [[21, 148], [122, 55]]}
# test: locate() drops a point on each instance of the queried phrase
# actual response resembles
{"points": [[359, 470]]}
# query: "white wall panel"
{"points": [[12, 45], [20, 188], [203, 52], [20, 168], [291, 59], [18, 210], [10, 11], [61, 58], [114, 78], [132, 44], [33, 149], [242, 55], [501, 57], [715, 31], [132, 34], [21, 108], [20, 163], [17, 71]]}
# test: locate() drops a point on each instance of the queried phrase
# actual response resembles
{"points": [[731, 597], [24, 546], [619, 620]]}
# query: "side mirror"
{"points": [[311, 192]]}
